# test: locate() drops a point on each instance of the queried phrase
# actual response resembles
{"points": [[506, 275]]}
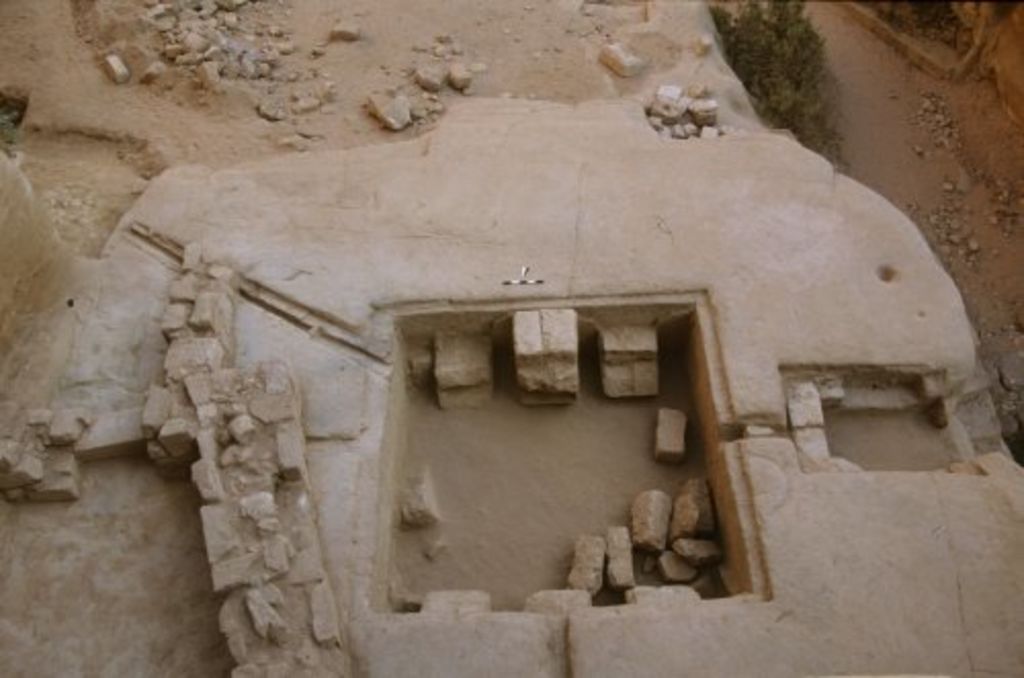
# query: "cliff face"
{"points": [[1008, 63], [27, 241]]}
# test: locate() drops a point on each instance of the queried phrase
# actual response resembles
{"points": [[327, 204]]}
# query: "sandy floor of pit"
{"points": [[516, 485]]}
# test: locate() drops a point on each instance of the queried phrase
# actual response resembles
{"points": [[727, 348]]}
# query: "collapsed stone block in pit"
{"points": [[462, 369], [418, 504], [587, 572], [620, 558], [629, 361], [670, 436], [662, 596], [650, 520], [692, 512], [546, 345], [674, 569]]}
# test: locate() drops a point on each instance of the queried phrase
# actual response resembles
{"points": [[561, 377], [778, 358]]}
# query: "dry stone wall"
{"points": [[238, 433]]}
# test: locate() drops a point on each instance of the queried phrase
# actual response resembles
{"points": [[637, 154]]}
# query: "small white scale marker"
{"points": [[522, 279]]}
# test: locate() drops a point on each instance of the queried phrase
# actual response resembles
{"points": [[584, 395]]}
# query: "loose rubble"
{"points": [[678, 115]]}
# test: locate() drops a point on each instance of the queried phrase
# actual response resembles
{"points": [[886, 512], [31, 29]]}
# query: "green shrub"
{"points": [[780, 58]]}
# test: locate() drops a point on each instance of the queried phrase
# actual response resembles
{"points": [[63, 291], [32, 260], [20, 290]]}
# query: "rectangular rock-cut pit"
{"points": [[514, 485]]}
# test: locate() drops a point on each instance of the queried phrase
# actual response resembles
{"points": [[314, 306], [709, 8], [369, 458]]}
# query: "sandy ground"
{"points": [[128, 556], [880, 95], [90, 146]]}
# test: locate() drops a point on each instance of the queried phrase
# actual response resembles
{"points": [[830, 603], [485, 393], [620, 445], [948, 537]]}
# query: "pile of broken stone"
{"points": [[208, 38], [676, 114], [239, 433], [401, 107], [37, 452], [677, 536]]}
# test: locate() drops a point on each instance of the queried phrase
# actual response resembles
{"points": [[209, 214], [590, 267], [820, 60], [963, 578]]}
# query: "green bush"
{"points": [[780, 58]]}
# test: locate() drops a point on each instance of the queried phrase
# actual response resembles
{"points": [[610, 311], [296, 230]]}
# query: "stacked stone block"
{"points": [[629, 361], [804, 406], [238, 432], [546, 345]]}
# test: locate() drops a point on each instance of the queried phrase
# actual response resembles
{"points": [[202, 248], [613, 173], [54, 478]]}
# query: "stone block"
{"points": [[456, 603], [242, 429], [174, 322], [459, 76], [629, 361], [674, 569], [220, 531], [184, 289], [811, 444], [620, 60], [199, 387], [692, 512], [546, 345], [116, 69], [392, 112], [620, 558], [831, 390], [178, 438], [271, 408], [291, 451], [803, 403], [262, 603], [670, 436], [60, 480], [157, 410], [113, 434], [698, 552], [28, 469], [587, 571], [277, 553], [261, 508], [558, 602], [10, 454], [209, 448], [662, 596], [418, 504], [651, 511], [192, 257], [1011, 370], [704, 112], [68, 425], [345, 31], [234, 572], [206, 478], [324, 614], [214, 312], [192, 354], [307, 566], [462, 369]]}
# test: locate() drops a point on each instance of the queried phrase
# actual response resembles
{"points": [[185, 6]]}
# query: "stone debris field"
{"points": [[295, 416]]}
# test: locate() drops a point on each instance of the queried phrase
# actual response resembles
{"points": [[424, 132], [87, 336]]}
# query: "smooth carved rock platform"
{"points": [[832, 568]]}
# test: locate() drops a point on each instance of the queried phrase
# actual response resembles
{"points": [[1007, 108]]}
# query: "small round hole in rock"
{"points": [[886, 273]]}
